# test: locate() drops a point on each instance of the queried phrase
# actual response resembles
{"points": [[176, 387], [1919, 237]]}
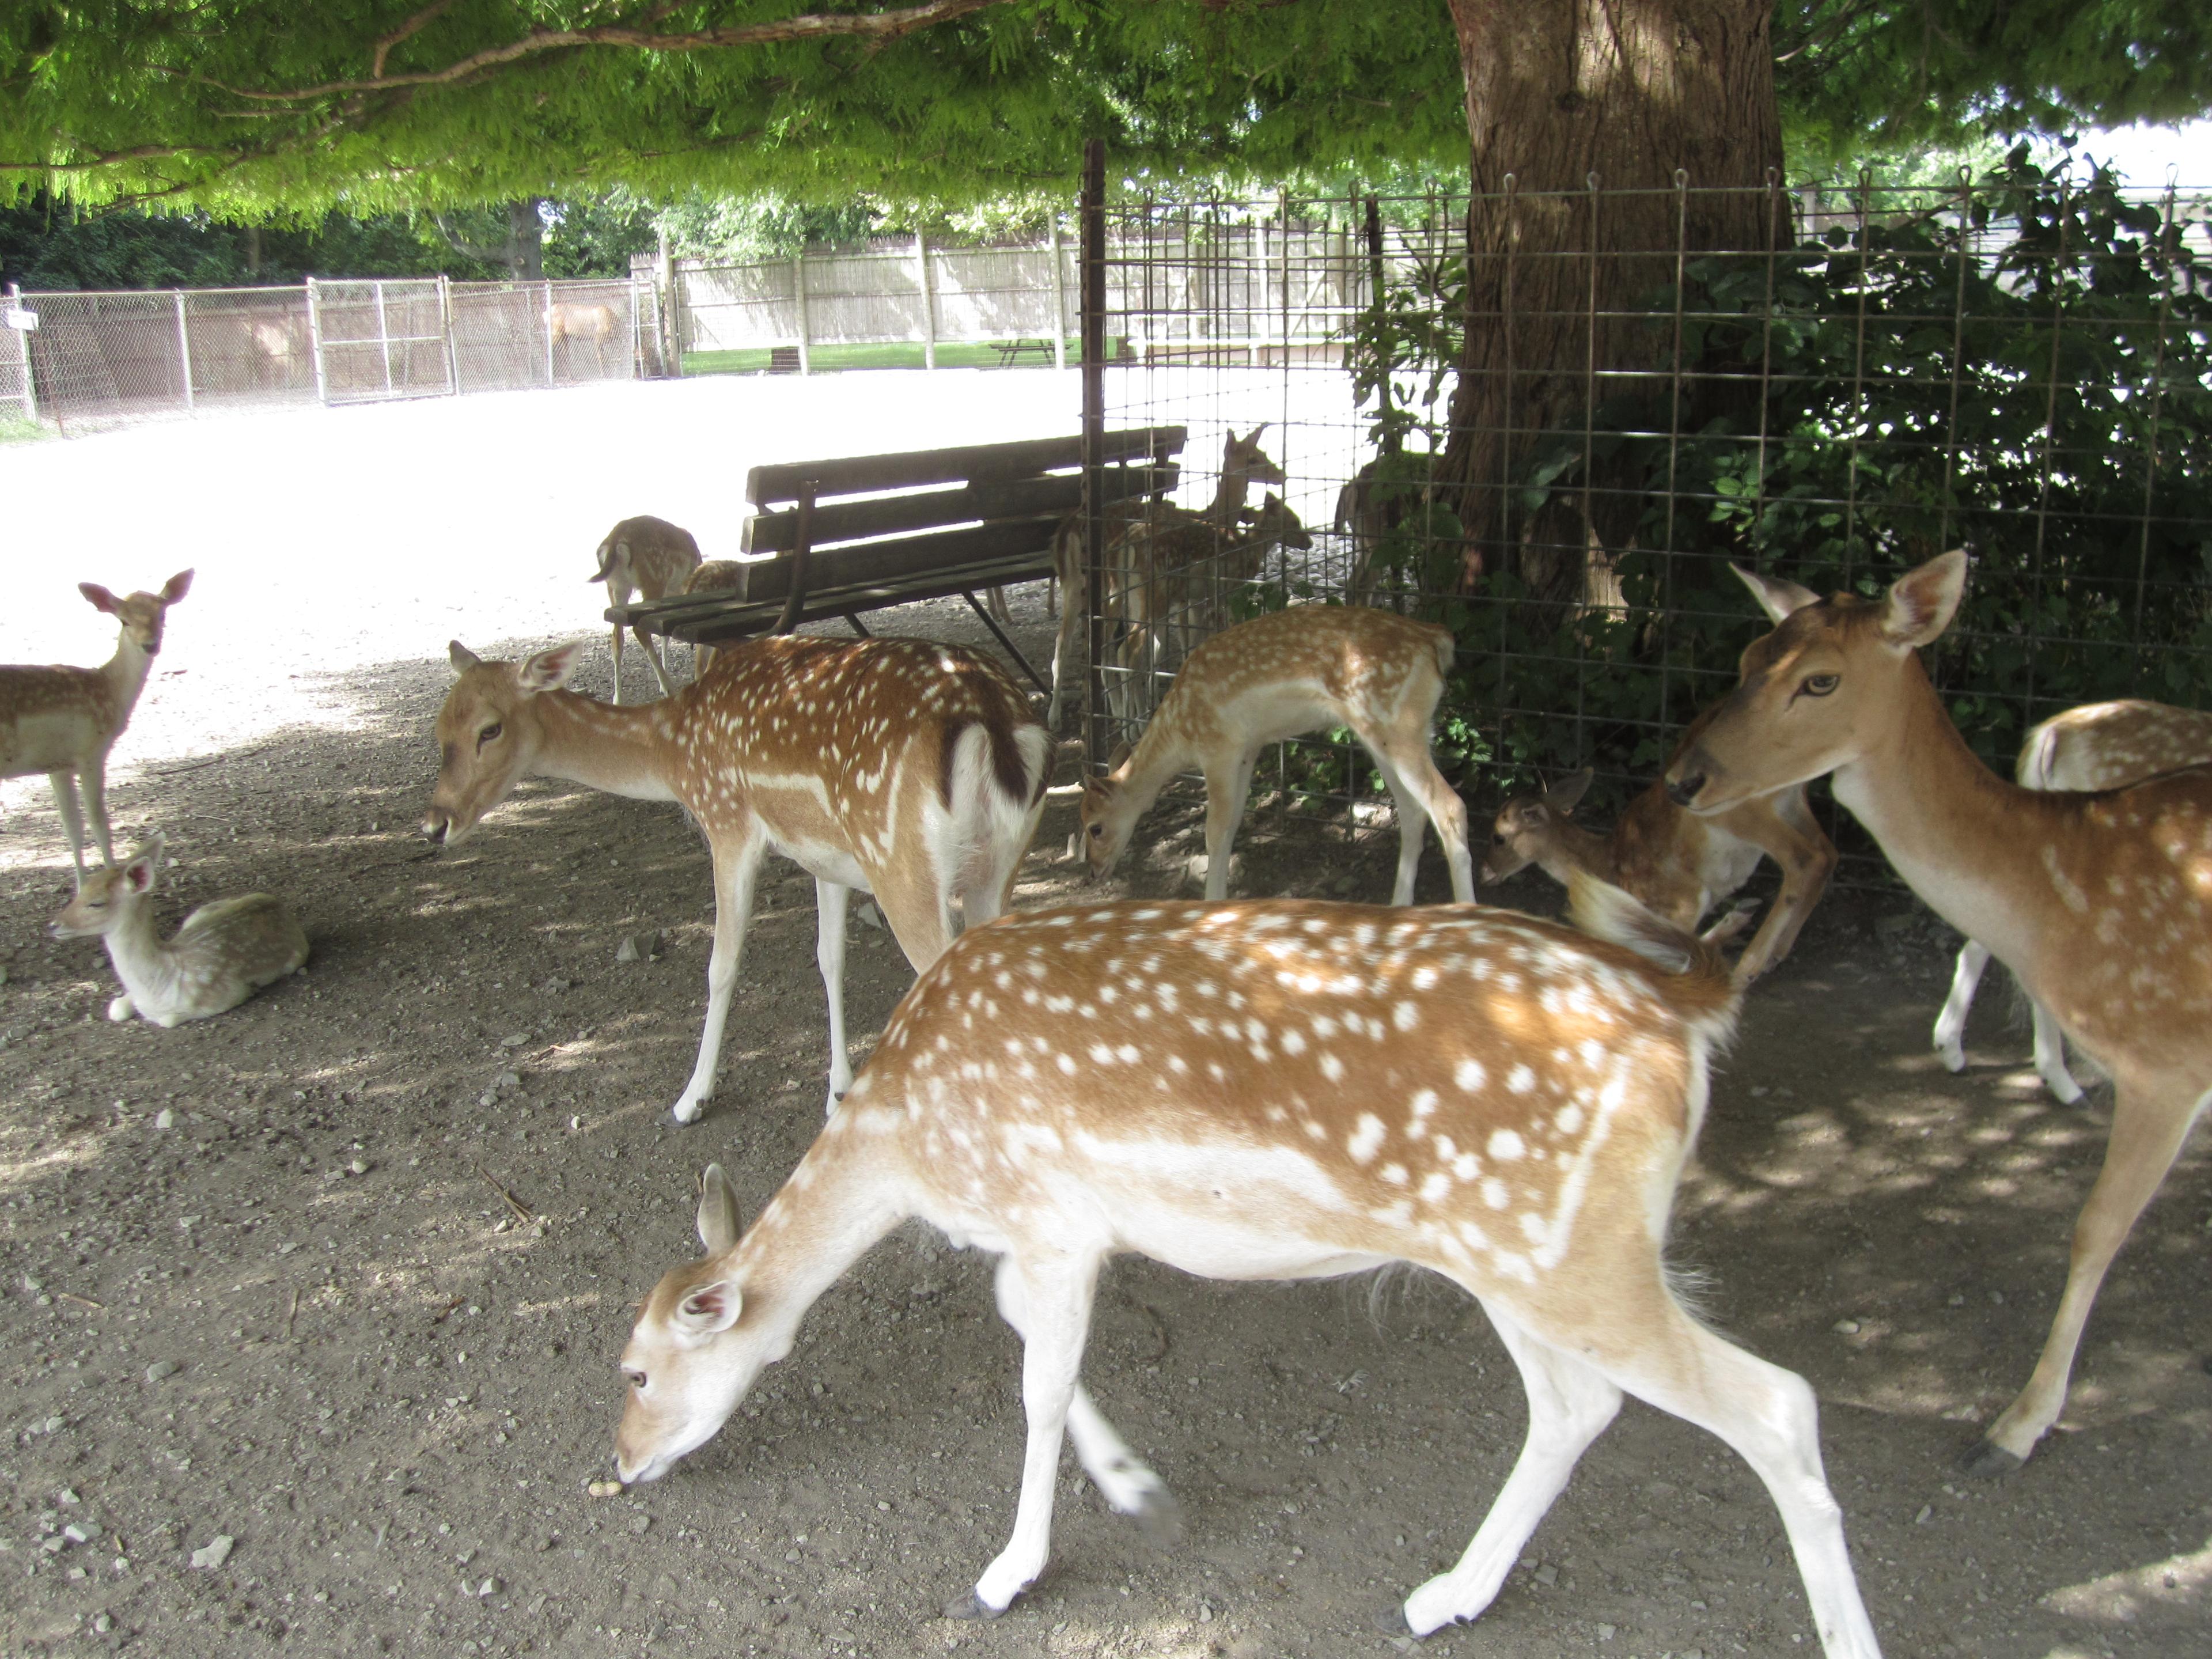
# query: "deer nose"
{"points": [[1683, 791], [434, 827]]}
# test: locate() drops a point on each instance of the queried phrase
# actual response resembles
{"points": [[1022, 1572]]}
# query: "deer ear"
{"points": [[138, 874], [97, 597], [1780, 599], [710, 1308], [1562, 796], [718, 1211], [1922, 602], [549, 669], [461, 657], [1119, 757], [176, 587]]}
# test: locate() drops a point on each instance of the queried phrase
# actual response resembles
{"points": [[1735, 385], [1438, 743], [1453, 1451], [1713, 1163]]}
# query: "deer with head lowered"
{"points": [[2098, 745], [2100, 904], [1678, 864], [655, 558], [64, 720], [1281, 1091], [1275, 677], [902, 767]]}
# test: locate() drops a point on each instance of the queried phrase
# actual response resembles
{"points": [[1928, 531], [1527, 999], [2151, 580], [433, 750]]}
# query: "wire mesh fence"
{"points": [[86, 360], [1555, 434]]}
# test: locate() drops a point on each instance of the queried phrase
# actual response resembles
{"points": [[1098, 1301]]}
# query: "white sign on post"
{"points": [[20, 317]]}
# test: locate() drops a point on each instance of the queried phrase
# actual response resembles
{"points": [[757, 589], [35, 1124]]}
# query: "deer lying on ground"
{"points": [[1242, 464], [904, 769], [1278, 1090], [656, 558], [64, 720], [574, 320], [223, 953], [1679, 865], [1277, 677], [2100, 904], [2098, 745], [715, 573], [1170, 581]]}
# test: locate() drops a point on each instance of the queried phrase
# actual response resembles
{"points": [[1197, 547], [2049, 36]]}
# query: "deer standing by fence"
{"points": [[575, 320], [904, 769], [65, 720], [1674, 862], [1274, 677], [1284, 1091], [655, 558], [2098, 745], [2097, 903]]}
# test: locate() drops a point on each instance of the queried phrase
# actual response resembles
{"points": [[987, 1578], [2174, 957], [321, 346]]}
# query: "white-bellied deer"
{"points": [[574, 320], [709, 577], [904, 769], [2098, 903], [1243, 464], [1674, 862], [656, 558], [224, 951], [2098, 745], [64, 720], [1277, 1089], [1278, 676]]}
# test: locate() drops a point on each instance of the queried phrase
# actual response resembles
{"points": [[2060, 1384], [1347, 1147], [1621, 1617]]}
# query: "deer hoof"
{"points": [[687, 1111], [1390, 1621], [969, 1606], [1160, 1517], [1985, 1460]]}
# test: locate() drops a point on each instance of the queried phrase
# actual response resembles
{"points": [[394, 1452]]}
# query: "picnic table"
{"points": [[1011, 351]]}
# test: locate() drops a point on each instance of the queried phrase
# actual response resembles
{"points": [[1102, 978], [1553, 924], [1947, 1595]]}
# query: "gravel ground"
{"points": [[341, 1277]]}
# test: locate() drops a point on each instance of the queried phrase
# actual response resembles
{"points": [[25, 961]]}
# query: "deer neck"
{"points": [[1164, 749], [1571, 847], [124, 676], [1969, 843], [846, 1194], [134, 945], [1229, 494], [628, 750]]}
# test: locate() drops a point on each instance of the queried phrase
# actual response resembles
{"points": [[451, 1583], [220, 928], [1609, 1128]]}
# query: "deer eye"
{"points": [[1819, 685], [637, 1378], [1096, 830], [488, 735]]}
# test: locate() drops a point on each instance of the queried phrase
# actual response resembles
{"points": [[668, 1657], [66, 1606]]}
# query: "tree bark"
{"points": [[1628, 90], [522, 252]]}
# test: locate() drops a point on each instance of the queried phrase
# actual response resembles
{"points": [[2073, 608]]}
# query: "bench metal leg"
{"points": [[999, 635], [853, 617]]}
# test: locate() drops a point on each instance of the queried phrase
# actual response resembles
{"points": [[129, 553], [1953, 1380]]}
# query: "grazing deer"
{"points": [[574, 320], [902, 767], [1242, 464], [1370, 506], [224, 952], [712, 575], [1674, 862], [2098, 903], [1277, 1089], [656, 558], [64, 720], [2098, 745], [1273, 678], [1172, 580]]}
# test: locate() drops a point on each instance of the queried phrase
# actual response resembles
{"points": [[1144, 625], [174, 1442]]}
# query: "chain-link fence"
{"points": [[1557, 442], [96, 358]]}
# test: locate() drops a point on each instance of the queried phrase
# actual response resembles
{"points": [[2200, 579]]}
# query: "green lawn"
{"points": [[821, 358], [15, 429]]}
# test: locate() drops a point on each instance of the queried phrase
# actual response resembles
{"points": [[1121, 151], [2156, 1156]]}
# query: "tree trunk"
{"points": [[1628, 90], [526, 239]]}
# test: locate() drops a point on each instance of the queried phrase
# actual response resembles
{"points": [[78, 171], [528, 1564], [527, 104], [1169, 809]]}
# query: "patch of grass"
{"points": [[15, 429], [828, 359]]}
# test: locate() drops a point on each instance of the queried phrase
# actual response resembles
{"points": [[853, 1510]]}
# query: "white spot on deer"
{"points": [[1569, 1120], [1294, 1043], [1367, 1138], [1394, 1174], [1466, 1166], [1494, 1194], [1407, 1017], [1470, 1075], [1506, 1146], [1068, 1064], [1332, 1067], [1435, 1186], [1520, 1080]]}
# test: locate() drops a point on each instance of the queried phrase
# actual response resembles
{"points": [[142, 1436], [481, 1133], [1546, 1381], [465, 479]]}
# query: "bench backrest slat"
{"points": [[888, 516], [856, 475]]}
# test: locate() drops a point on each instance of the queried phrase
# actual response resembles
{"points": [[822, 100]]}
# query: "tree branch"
{"points": [[422, 19], [882, 26]]}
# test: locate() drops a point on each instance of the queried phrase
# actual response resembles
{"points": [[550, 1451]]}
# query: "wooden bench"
{"points": [[1011, 351], [840, 537]]}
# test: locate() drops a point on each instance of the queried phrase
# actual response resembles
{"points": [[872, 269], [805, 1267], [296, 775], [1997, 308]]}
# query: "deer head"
{"points": [[1820, 690], [1243, 455], [488, 733], [142, 615], [107, 895], [1526, 826], [1275, 522], [1109, 814]]}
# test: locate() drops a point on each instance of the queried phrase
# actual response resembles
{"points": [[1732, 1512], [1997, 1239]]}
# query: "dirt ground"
{"points": [[356, 1307]]}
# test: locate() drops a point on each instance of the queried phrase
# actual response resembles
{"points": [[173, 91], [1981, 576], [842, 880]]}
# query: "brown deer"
{"points": [[904, 769], [575, 320], [62, 720], [2100, 904], [710, 577], [1276, 677], [655, 558], [1278, 1090]]}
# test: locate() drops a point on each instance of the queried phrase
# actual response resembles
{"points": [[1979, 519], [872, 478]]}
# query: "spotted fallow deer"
{"points": [[904, 768], [1275, 677], [2098, 745], [655, 558], [714, 574], [1243, 464], [2100, 904], [1673, 861], [64, 720], [1277, 1089]]}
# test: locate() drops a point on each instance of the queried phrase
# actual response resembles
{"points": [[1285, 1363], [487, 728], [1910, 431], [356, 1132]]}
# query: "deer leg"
{"points": [[63, 784], [1950, 1036], [1063, 636], [2149, 1126], [2051, 1055], [1783, 830], [830, 900], [735, 873], [617, 593], [918, 910], [1422, 791], [653, 654], [1056, 1295], [1226, 791], [1570, 1404], [93, 780]]}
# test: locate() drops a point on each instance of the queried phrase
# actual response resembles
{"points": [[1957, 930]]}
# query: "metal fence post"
{"points": [[546, 317], [383, 338], [1093, 263], [1059, 302], [798, 290], [23, 345], [184, 347], [929, 302], [446, 327], [315, 342]]}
